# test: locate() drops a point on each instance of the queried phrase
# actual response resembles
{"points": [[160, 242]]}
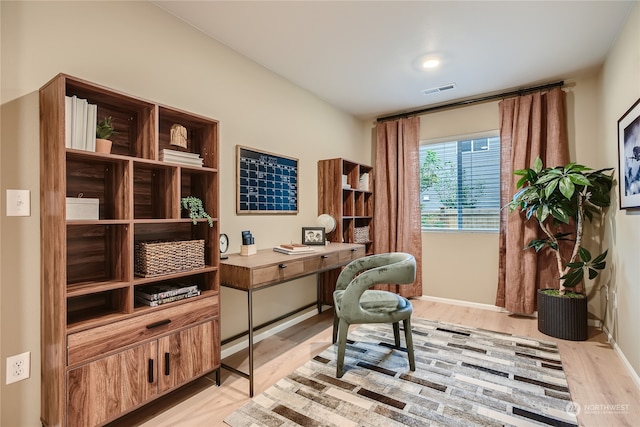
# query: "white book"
{"points": [[74, 107], [68, 120], [175, 153], [293, 252], [80, 123], [92, 117], [182, 161]]}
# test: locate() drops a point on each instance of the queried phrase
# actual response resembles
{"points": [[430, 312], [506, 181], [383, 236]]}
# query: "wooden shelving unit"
{"points": [[350, 203], [103, 354]]}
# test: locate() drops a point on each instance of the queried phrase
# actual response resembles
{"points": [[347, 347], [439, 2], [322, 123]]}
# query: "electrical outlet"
{"points": [[18, 367], [615, 299]]}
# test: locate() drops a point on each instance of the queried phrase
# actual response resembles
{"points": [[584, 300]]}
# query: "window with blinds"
{"points": [[460, 184]]}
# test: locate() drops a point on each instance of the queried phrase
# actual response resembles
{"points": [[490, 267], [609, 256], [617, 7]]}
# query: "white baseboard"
{"points": [[242, 343], [464, 303], [592, 322], [625, 361]]}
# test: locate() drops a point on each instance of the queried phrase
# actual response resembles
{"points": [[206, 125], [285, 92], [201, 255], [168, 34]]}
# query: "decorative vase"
{"points": [[103, 146], [562, 317]]}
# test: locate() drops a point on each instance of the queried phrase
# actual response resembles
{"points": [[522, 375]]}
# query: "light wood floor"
{"points": [[597, 378]]}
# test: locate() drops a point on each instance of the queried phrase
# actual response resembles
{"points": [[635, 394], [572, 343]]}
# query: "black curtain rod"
{"points": [[470, 101]]}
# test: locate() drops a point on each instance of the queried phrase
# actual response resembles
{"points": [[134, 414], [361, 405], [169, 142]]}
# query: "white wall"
{"points": [[620, 88], [463, 266], [145, 52], [460, 265]]}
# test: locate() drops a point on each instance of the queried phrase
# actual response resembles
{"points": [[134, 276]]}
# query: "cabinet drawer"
{"points": [[322, 262], [98, 341], [351, 254], [277, 273]]}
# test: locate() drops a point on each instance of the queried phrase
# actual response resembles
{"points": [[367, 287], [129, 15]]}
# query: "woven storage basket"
{"points": [[157, 258], [361, 234]]}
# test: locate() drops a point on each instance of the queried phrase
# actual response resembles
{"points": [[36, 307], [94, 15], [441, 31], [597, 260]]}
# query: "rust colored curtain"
{"points": [[530, 126], [397, 195]]}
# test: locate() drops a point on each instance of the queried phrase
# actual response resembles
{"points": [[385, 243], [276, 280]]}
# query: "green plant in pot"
{"points": [[563, 200], [196, 209], [104, 131]]}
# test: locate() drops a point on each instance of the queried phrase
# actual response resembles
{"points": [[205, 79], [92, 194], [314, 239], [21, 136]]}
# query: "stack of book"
{"points": [[181, 157], [363, 182], [155, 295], [293, 248], [81, 119]]}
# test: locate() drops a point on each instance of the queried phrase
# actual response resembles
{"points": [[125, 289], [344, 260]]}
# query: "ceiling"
{"points": [[364, 57]]}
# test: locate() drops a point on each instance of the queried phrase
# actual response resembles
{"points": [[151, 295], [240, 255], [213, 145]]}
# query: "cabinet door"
{"points": [[186, 354], [102, 390]]}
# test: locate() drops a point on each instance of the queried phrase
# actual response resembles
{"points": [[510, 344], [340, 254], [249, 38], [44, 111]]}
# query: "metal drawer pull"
{"points": [[324, 256], [166, 363], [160, 323], [353, 249], [283, 266], [151, 371]]}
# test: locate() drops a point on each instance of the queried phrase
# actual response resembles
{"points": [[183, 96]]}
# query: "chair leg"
{"points": [[408, 337], [335, 327], [396, 333], [343, 329]]}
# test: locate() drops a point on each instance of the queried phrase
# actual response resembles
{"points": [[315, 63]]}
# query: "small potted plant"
{"points": [[196, 210], [104, 130], [563, 200]]}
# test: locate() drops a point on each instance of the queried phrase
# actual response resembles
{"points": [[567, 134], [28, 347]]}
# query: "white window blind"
{"points": [[460, 184]]}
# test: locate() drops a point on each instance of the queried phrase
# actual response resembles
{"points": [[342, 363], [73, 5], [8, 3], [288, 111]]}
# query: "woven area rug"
{"points": [[464, 377]]}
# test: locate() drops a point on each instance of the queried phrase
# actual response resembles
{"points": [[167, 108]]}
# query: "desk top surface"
{"points": [[269, 256]]}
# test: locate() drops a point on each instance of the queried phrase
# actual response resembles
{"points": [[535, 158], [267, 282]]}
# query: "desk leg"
{"points": [[319, 292], [250, 321]]}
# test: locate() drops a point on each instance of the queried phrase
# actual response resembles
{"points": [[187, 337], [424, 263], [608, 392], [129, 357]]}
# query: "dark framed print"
{"points": [[629, 157], [313, 236], [267, 183]]}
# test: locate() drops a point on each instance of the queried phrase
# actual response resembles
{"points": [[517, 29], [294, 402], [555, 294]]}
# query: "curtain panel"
{"points": [[397, 195], [530, 126]]}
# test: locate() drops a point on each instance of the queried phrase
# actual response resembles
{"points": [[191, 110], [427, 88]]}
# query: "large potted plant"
{"points": [[563, 200]]}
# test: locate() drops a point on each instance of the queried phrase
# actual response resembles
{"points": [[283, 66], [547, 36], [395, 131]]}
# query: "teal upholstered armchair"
{"points": [[356, 303]]}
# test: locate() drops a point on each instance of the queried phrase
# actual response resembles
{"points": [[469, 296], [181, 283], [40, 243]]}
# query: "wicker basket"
{"points": [[361, 234], [158, 258]]}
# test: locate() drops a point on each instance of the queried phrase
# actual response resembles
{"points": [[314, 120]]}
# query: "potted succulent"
{"points": [[563, 200], [196, 210], [104, 130]]}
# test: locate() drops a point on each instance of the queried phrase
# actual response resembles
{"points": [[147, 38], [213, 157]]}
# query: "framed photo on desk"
{"points": [[313, 236]]}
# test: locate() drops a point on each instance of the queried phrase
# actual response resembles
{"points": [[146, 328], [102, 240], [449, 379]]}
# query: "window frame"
{"points": [[450, 139]]}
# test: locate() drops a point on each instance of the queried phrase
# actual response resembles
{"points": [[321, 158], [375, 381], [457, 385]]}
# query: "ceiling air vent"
{"points": [[439, 89]]}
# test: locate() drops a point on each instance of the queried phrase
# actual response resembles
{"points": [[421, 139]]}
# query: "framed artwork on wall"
{"points": [[267, 183], [629, 157]]}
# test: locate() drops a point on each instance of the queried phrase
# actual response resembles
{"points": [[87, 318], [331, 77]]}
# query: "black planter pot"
{"points": [[561, 317]]}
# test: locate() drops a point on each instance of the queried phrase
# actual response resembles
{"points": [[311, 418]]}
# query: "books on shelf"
{"points": [[363, 182], [181, 157], [155, 303], [293, 248], [164, 290], [80, 123]]}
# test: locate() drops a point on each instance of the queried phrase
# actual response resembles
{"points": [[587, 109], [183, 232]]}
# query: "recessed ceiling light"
{"points": [[431, 63]]}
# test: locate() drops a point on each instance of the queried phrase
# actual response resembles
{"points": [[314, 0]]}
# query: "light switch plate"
{"points": [[18, 203]]}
